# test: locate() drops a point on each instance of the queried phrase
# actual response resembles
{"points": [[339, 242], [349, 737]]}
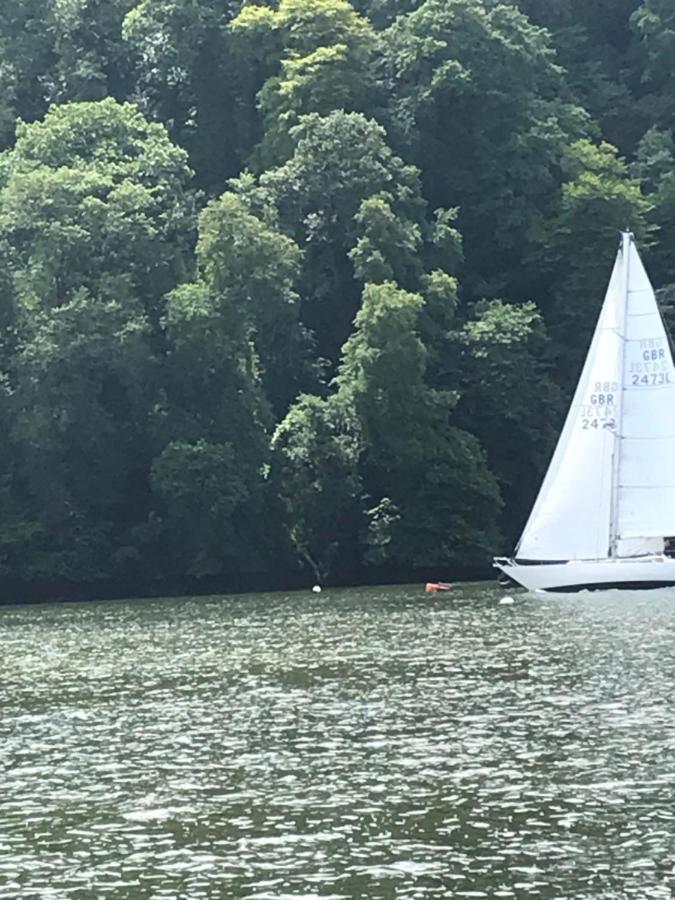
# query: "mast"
{"points": [[626, 238]]}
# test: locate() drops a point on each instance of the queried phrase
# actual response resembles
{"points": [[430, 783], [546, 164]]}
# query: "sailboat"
{"points": [[605, 512]]}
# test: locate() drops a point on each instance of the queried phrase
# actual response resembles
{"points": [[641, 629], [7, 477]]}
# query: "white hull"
{"points": [[636, 572]]}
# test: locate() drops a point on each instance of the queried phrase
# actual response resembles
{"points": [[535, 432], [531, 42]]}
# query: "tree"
{"points": [[500, 362], [54, 52], [190, 80], [604, 63], [212, 440], [433, 500], [312, 57], [94, 210], [316, 450], [654, 168], [96, 197], [356, 209], [254, 268], [82, 385], [597, 201], [654, 25], [234, 345], [383, 12], [477, 102], [272, 310]]}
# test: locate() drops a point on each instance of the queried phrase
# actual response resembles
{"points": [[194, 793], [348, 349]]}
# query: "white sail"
{"points": [[610, 487], [571, 516], [646, 469], [608, 499]]}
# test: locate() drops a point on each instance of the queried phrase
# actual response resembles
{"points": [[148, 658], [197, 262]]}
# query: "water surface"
{"points": [[374, 743]]}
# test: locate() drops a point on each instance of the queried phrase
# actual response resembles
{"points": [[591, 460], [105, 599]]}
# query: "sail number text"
{"points": [[654, 378], [600, 411], [650, 366]]}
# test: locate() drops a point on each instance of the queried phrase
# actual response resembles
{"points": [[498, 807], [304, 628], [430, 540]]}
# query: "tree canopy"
{"points": [[301, 288]]}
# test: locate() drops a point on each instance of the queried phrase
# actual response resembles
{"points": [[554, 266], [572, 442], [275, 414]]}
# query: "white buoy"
{"points": [[317, 588], [505, 601]]}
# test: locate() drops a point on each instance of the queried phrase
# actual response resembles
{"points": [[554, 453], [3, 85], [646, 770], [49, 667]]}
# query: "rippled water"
{"points": [[355, 744]]}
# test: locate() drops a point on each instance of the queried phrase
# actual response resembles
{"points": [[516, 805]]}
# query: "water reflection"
{"points": [[371, 744]]}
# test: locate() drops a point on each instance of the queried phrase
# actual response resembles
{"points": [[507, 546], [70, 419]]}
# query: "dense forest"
{"points": [[298, 290]]}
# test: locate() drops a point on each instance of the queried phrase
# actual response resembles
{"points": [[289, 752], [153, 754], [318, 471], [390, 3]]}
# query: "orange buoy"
{"points": [[433, 587]]}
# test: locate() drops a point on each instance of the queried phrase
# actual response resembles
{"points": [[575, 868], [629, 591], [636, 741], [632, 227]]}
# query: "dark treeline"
{"points": [[299, 289]]}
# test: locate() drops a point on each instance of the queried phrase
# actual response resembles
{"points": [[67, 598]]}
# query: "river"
{"points": [[371, 743]]}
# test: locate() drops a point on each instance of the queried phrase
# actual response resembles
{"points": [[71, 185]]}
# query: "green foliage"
{"points": [[383, 363], [94, 214], [598, 200], [654, 24], [316, 450], [234, 345], [253, 269], [508, 399], [654, 168], [357, 210], [212, 388], [476, 99], [320, 50], [389, 244], [82, 383], [314, 349], [338, 161], [53, 52], [383, 12], [604, 63], [201, 488], [435, 501], [188, 78], [211, 429], [96, 197]]}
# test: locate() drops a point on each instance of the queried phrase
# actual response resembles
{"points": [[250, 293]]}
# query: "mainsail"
{"points": [[610, 487], [646, 471]]}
